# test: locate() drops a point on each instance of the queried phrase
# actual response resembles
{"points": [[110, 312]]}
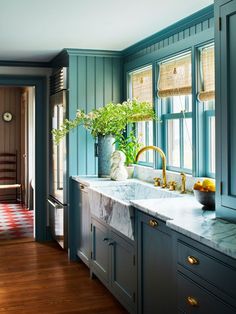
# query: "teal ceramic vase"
{"points": [[105, 148]]}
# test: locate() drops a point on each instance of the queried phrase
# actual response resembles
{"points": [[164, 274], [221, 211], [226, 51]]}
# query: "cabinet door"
{"points": [[155, 268], [100, 251], [194, 299], [226, 110], [84, 236], [123, 269]]}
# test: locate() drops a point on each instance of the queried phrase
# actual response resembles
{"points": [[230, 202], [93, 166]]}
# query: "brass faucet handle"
{"points": [[172, 185], [157, 181], [183, 185]]}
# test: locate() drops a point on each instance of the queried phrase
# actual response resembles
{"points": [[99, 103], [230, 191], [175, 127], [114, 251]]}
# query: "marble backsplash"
{"points": [[147, 174]]}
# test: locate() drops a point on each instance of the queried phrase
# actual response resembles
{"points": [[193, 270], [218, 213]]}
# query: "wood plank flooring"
{"points": [[37, 278]]}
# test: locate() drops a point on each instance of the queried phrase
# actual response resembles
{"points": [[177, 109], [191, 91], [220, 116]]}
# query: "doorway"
{"points": [[39, 142], [17, 162]]}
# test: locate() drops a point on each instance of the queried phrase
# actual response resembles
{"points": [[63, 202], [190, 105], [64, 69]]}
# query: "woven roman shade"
{"points": [[208, 74], [142, 85], [175, 77]]}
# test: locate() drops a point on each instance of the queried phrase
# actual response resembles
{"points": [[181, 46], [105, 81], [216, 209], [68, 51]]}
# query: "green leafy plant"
{"points": [[129, 145], [110, 119]]}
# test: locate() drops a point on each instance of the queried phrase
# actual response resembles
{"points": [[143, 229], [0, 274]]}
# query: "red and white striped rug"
{"points": [[15, 222]]}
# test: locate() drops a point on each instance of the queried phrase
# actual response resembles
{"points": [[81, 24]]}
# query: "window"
{"points": [[206, 97], [175, 104], [141, 88], [177, 125], [174, 90]]}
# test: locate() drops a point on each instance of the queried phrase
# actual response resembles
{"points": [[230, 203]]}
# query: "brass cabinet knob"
{"points": [[192, 301], [192, 260], [82, 187], [153, 223]]}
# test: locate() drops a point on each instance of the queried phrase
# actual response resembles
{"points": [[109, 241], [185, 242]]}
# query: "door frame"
{"points": [[41, 108]]}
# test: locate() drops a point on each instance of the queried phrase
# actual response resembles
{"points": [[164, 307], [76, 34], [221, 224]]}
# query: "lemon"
{"points": [[208, 184], [212, 188], [197, 186]]}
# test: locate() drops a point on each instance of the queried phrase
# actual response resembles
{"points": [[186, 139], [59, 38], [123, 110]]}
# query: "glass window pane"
{"points": [[141, 134], [212, 160], [188, 103], [173, 143], [150, 140], [187, 142], [178, 104], [141, 88], [209, 105], [181, 103]]}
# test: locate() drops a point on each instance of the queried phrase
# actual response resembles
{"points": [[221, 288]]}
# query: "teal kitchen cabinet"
{"points": [[225, 48], [100, 251], [205, 278], [113, 262], [84, 225], [156, 277], [80, 222]]}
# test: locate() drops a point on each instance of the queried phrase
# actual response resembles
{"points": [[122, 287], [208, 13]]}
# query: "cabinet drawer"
{"points": [[194, 299], [217, 273]]}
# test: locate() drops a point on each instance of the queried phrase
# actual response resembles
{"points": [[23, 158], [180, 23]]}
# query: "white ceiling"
{"points": [[36, 30]]}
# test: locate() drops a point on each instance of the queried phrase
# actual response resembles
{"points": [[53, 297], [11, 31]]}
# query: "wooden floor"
{"points": [[37, 278]]}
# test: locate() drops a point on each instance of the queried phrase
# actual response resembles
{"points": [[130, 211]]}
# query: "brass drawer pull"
{"points": [[192, 260], [192, 301], [153, 223], [82, 187]]}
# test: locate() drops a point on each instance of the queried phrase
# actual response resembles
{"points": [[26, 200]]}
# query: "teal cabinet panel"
{"points": [[226, 109], [192, 298], [155, 267], [113, 262], [83, 225], [204, 275], [123, 269], [207, 267], [100, 251]]}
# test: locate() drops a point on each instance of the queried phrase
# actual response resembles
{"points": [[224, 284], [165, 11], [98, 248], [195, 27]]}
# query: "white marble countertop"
{"points": [[184, 215]]}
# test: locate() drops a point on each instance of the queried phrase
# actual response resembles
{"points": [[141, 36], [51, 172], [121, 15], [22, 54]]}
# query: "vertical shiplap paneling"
{"points": [[91, 94], [197, 28], [72, 151], [99, 90], [117, 80], [99, 81], [108, 80], [82, 104], [96, 81]]}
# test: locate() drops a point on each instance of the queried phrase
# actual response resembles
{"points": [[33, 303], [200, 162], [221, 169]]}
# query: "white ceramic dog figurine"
{"points": [[118, 170]]}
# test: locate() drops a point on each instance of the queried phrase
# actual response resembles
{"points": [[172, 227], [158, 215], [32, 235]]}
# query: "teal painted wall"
{"points": [[94, 80]]}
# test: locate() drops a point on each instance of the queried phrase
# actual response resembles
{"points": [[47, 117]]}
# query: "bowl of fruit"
{"points": [[205, 193]]}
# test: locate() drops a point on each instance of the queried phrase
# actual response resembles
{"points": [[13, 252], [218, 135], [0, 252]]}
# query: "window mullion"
{"points": [[181, 130], [147, 140]]}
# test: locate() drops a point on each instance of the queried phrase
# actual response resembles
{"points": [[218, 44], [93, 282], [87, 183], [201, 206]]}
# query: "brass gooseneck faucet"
{"points": [[163, 158], [183, 185]]}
